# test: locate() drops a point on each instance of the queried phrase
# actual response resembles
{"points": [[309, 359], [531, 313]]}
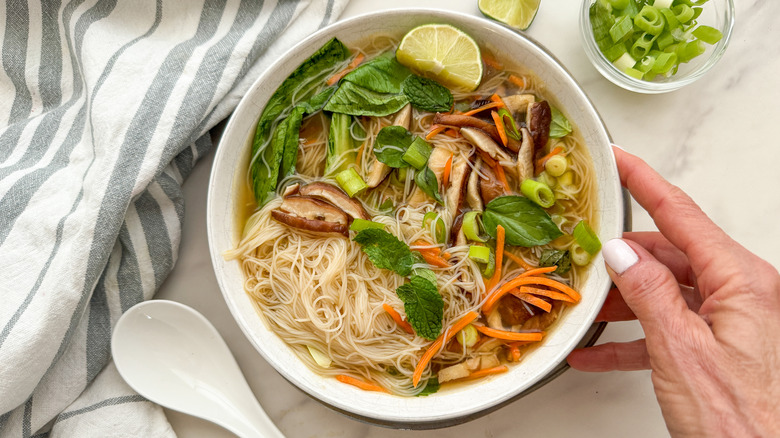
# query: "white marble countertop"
{"points": [[717, 139]]}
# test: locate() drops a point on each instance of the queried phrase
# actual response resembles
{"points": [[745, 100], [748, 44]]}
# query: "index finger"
{"points": [[675, 214]]}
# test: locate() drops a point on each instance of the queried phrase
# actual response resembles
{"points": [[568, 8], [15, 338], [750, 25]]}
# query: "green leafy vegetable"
{"points": [[267, 156], [391, 144], [554, 257], [560, 126], [383, 74], [526, 223], [427, 182], [356, 100], [423, 305], [342, 151], [425, 273], [431, 387], [292, 128], [386, 251], [427, 94]]}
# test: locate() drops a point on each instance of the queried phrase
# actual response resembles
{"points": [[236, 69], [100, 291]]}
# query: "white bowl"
{"points": [[451, 405]]}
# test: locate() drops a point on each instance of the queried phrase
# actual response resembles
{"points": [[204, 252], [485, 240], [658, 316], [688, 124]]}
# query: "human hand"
{"points": [[710, 311]]}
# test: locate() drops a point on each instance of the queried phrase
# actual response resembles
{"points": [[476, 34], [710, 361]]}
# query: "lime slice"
{"points": [[443, 53], [518, 14]]}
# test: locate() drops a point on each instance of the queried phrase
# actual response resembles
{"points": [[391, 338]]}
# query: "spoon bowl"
{"points": [[173, 356]]}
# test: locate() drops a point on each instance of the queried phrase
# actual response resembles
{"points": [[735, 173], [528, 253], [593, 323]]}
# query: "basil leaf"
{"points": [[427, 94], [355, 100], [383, 74], [525, 223], [427, 182], [431, 387], [560, 126], [264, 168], [554, 257], [391, 144], [385, 250], [423, 305]]}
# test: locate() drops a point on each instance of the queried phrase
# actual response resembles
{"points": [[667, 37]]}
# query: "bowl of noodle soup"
{"points": [[327, 282]]}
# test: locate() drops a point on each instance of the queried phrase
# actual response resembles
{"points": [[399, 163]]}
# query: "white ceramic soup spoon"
{"points": [[173, 356]]}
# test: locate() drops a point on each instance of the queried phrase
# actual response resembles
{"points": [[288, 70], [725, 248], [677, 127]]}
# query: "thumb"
{"points": [[648, 287]]}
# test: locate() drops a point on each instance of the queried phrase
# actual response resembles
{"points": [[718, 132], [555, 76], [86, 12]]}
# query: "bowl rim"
{"points": [[611, 73], [368, 412]]}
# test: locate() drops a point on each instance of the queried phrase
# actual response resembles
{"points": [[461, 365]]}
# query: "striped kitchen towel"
{"points": [[105, 107]]}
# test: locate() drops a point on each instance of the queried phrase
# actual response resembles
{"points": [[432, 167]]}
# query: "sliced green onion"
{"points": [[642, 45], [696, 12], [683, 13], [538, 192], [618, 4], [622, 28], [472, 226], [614, 52], [480, 254], [511, 127], [548, 179], [650, 20], [687, 51], [645, 64], [490, 268], [624, 62], [671, 19], [556, 165], [439, 232], [362, 224], [708, 34], [418, 152], [658, 4], [664, 63], [468, 336], [566, 179], [351, 182], [664, 40], [586, 237], [578, 255]]}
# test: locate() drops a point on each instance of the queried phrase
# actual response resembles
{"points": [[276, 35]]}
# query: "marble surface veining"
{"points": [[716, 139]]}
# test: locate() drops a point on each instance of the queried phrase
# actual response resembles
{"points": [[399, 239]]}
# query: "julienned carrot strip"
{"points": [[445, 175], [397, 318], [343, 378], [487, 372], [435, 130], [499, 126], [487, 159], [492, 299], [510, 336], [499, 171], [359, 156], [491, 62], [556, 150], [352, 65], [438, 343], [514, 352], [434, 259], [529, 280], [545, 293], [496, 98], [520, 262], [535, 301], [500, 237], [452, 132], [491, 105], [518, 81]]}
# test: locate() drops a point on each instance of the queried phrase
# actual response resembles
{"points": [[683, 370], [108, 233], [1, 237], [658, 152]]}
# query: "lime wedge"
{"points": [[443, 53], [518, 14]]}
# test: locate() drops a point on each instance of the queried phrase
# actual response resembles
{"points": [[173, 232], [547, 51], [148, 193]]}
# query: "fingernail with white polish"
{"points": [[619, 256], [618, 146]]}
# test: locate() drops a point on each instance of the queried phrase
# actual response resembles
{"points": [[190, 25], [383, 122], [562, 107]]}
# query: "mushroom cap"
{"points": [[538, 119], [313, 225], [335, 196], [483, 142]]}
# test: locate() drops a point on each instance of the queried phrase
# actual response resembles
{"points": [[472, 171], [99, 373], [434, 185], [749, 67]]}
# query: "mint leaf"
{"points": [[423, 305], [391, 144], [431, 387], [427, 94], [558, 258], [427, 182], [356, 100], [525, 223], [383, 74], [560, 126], [385, 251]]}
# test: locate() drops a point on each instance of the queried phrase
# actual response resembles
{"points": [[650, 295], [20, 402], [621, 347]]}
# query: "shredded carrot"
{"points": [[499, 171], [530, 279], [540, 162], [491, 105], [496, 98], [487, 159], [499, 126], [500, 237], [397, 318], [491, 62], [435, 130], [360, 153], [520, 262], [446, 255], [544, 293], [434, 259], [517, 80], [535, 301], [352, 65], [343, 378], [510, 336], [445, 175], [514, 352], [438, 343], [486, 372], [452, 132]]}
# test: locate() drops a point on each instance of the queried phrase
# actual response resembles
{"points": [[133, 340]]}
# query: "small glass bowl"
{"points": [[716, 13]]}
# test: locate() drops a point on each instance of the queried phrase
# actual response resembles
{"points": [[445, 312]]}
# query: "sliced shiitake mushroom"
{"points": [[456, 191], [538, 119], [310, 224], [489, 186], [335, 196], [473, 197], [486, 144], [312, 214], [518, 104], [525, 157]]}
